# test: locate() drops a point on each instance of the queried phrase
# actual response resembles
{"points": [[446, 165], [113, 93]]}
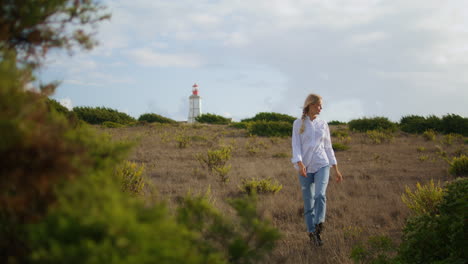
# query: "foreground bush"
{"points": [[435, 232], [375, 123], [275, 117], [459, 166], [155, 118], [246, 239], [99, 115], [439, 238], [213, 119], [270, 128], [61, 200], [424, 200]]}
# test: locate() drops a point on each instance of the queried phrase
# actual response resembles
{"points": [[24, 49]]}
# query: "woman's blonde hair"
{"points": [[310, 100]]}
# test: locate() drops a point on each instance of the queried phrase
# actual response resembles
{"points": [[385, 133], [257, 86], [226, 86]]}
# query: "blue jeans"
{"points": [[314, 187]]}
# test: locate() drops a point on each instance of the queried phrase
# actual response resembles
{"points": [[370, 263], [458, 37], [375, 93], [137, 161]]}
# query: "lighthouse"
{"points": [[194, 105]]}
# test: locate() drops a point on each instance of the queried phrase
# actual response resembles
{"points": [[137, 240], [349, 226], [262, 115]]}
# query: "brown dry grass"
{"points": [[367, 202]]}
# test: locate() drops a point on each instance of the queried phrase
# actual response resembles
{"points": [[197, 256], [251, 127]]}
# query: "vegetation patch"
{"points": [[270, 128], [340, 146], [99, 115], [213, 119], [375, 123], [379, 137], [429, 135], [155, 118], [270, 116], [424, 200], [215, 160], [131, 176], [459, 166], [263, 186]]}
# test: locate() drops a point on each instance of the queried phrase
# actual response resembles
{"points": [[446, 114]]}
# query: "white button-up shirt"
{"points": [[313, 147]]}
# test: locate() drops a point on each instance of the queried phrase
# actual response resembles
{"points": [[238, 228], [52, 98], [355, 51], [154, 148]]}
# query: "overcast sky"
{"points": [[365, 57]]}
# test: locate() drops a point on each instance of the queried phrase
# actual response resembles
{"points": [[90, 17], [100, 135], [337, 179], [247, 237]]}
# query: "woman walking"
{"points": [[312, 157]]}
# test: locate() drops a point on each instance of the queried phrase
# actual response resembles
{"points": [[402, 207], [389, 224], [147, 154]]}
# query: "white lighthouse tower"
{"points": [[194, 105]]}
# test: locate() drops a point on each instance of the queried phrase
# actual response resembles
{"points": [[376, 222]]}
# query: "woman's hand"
{"points": [[339, 177], [302, 169]]}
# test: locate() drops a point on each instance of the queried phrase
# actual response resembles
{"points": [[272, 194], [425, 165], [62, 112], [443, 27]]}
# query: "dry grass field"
{"points": [[368, 201]]}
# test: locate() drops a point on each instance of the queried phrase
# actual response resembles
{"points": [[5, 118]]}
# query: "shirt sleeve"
{"points": [[296, 142], [328, 146]]}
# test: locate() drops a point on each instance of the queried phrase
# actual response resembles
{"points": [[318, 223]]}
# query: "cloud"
{"points": [[147, 57], [66, 102]]}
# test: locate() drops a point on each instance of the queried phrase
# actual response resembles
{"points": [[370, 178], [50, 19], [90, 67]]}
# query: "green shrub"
{"points": [[281, 155], [247, 238], [418, 124], [99, 115], [378, 137], [215, 161], [341, 133], [110, 124], [375, 123], [41, 151], [260, 186], [377, 250], [339, 146], [213, 119], [455, 124], [131, 176], [239, 125], [270, 128], [182, 140], [439, 238], [429, 135], [449, 123], [459, 166], [273, 117], [424, 200], [336, 123], [155, 118]]}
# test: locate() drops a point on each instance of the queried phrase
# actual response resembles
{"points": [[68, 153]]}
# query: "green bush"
{"points": [[256, 186], [416, 124], [375, 123], [336, 123], [339, 146], [110, 124], [131, 176], [377, 250], [244, 239], [155, 118], [439, 238], [273, 117], [459, 166], [424, 200], [455, 124], [41, 151], [213, 119], [99, 115], [270, 128], [216, 161], [379, 136], [449, 123], [429, 135], [240, 125]]}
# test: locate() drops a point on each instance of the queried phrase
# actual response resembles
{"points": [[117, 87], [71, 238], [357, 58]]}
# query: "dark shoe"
{"points": [[315, 238]]}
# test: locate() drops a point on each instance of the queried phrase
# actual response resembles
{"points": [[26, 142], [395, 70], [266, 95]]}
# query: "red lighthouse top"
{"points": [[195, 89]]}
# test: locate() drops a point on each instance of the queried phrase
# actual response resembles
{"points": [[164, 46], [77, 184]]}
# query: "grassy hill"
{"points": [[368, 201]]}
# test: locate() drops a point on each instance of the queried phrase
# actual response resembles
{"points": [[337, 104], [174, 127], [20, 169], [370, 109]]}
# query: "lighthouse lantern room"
{"points": [[194, 105]]}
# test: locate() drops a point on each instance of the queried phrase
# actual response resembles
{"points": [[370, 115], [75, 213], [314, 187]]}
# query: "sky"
{"points": [[366, 58]]}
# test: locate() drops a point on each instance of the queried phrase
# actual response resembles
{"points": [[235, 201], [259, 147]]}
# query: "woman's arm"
{"points": [[297, 149]]}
